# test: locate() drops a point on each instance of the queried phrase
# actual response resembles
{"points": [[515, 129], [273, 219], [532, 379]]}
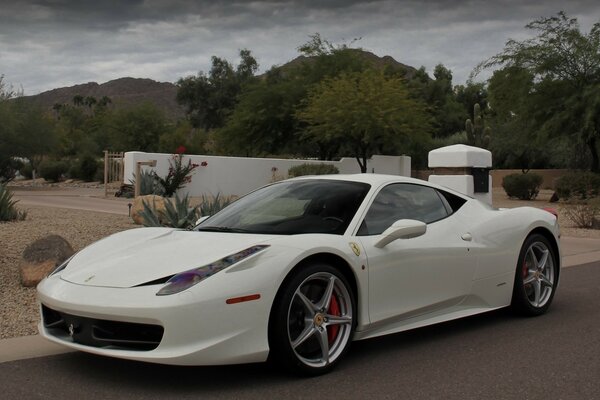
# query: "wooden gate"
{"points": [[113, 172]]}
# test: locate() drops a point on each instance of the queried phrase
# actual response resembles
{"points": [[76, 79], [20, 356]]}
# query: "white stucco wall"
{"points": [[240, 175]]}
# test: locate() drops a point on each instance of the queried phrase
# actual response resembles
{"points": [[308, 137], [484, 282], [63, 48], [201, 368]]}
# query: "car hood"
{"points": [[139, 256]]}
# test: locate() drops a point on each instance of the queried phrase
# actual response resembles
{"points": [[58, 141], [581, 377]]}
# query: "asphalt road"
{"points": [[492, 356]]}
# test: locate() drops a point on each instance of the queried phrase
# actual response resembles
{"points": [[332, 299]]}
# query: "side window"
{"points": [[402, 201]]}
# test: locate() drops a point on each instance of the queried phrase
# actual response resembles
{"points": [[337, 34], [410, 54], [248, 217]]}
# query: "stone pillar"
{"points": [[464, 169]]}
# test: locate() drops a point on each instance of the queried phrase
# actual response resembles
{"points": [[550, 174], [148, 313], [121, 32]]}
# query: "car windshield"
{"points": [[292, 207]]}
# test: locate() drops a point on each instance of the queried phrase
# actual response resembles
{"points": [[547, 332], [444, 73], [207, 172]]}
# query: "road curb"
{"points": [[24, 347]]}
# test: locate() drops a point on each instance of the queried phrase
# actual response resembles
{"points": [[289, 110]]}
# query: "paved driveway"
{"points": [[78, 198], [493, 356]]}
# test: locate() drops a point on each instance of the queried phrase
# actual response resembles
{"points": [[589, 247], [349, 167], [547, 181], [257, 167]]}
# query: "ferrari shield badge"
{"points": [[355, 248]]}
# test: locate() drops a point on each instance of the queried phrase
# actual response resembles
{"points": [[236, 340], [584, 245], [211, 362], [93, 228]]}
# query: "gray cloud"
{"points": [[50, 43]]}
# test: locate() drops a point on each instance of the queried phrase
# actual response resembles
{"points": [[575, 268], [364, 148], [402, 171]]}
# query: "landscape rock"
{"points": [[152, 200], [41, 257]]}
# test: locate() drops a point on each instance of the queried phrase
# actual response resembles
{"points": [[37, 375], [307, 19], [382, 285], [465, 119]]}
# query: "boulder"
{"points": [[157, 202], [41, 257]]}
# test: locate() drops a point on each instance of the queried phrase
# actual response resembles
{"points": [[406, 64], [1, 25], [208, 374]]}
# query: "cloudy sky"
{"points": [[46, 44]]}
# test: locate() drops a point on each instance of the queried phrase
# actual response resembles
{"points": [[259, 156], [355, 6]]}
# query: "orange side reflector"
{"points": [[242, 299]]}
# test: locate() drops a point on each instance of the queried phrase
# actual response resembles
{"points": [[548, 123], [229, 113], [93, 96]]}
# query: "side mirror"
{"points": [[401, 229], [202, 219]]}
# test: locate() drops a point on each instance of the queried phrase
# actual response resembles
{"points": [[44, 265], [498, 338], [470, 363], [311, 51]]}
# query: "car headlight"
{"points": [[185, 280], [62, 266]]}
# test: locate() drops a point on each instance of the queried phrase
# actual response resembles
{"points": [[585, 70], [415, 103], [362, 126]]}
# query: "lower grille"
{"points": [[102, 333]]}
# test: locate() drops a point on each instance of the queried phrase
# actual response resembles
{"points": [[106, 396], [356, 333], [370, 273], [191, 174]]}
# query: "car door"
{"points": [[409, 277]]}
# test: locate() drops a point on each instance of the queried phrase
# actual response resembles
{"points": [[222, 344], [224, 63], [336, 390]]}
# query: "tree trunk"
{"points": [[591, 142], [362, 163]]}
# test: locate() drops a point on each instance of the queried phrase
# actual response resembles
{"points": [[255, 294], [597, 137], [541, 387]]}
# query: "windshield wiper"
{"points": [[222, 229]]}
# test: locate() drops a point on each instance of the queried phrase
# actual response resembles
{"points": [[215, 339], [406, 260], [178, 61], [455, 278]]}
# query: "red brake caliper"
{"points": [[334, 309], [525, 269]]}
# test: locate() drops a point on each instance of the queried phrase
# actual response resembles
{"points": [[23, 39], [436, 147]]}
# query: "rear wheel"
{"points": [[536, 276], [313, 320]]}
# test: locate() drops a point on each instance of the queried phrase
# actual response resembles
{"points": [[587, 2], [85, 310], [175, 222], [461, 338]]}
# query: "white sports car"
{"points": [[297, 270]]}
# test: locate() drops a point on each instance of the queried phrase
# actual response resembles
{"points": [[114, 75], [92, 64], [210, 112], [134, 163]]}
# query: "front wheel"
{"points": [[536, 276], [313, 320]]}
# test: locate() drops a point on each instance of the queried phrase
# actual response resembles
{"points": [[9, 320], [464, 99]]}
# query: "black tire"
{"points": [[536, 277], [300, 333]]}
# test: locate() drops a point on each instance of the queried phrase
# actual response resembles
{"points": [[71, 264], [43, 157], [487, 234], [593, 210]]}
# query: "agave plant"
{"points": [[213, 204], [177, 214], [149, 183], [8, 210]]}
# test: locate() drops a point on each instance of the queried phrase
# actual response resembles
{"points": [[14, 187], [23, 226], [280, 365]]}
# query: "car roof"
{"points": [[377, 180]]}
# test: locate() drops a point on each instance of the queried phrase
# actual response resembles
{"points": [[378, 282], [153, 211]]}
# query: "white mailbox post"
{"points": [[464, 169]]}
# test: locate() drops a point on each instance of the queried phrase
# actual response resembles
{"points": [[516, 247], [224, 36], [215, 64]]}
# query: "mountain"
{"points": [[370, 58], [131, 91], [122, 92]]}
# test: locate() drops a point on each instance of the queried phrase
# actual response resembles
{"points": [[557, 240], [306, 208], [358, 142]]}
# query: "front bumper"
{"points": [[199, 328]]}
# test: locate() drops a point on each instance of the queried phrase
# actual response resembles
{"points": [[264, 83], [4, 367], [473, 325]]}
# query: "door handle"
{"points": [[467, 237]]}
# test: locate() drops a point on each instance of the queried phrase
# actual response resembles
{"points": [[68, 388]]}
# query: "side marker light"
{"points": [[242, 299]]}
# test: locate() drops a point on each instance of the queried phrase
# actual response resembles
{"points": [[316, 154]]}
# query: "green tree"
{"points": [[470, 94], [183, 134], [322, 59], [564, 65], [71, 131], [36, 133], [137, 128], [7, 91], [448, 114], [78, 100], [363, 113], [264, 121], [478, 134], [8, 136], [209, 99]]}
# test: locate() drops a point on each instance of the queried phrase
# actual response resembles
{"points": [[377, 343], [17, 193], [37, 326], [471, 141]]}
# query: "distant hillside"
{"points": [[131, 91], [122, 92], [370, 58]]}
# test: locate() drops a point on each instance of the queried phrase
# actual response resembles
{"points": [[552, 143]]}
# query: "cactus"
{"points": [[477, 133]]}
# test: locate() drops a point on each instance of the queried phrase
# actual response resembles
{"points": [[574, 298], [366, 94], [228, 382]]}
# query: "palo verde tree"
{"points": [[564, 65], [362, 113]]}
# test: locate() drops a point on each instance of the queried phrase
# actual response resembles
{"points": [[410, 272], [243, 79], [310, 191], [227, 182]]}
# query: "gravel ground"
{"points": [[18, 308]]}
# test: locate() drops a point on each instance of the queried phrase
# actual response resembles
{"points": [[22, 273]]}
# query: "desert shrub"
{"points": [[27, 171], [8, 209], [312, 169], [210, 205], [583, 214], [8, 168], [84, 168], [177, 214], [52, 170], [99, 176], [522, 186], [578, 184]]}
